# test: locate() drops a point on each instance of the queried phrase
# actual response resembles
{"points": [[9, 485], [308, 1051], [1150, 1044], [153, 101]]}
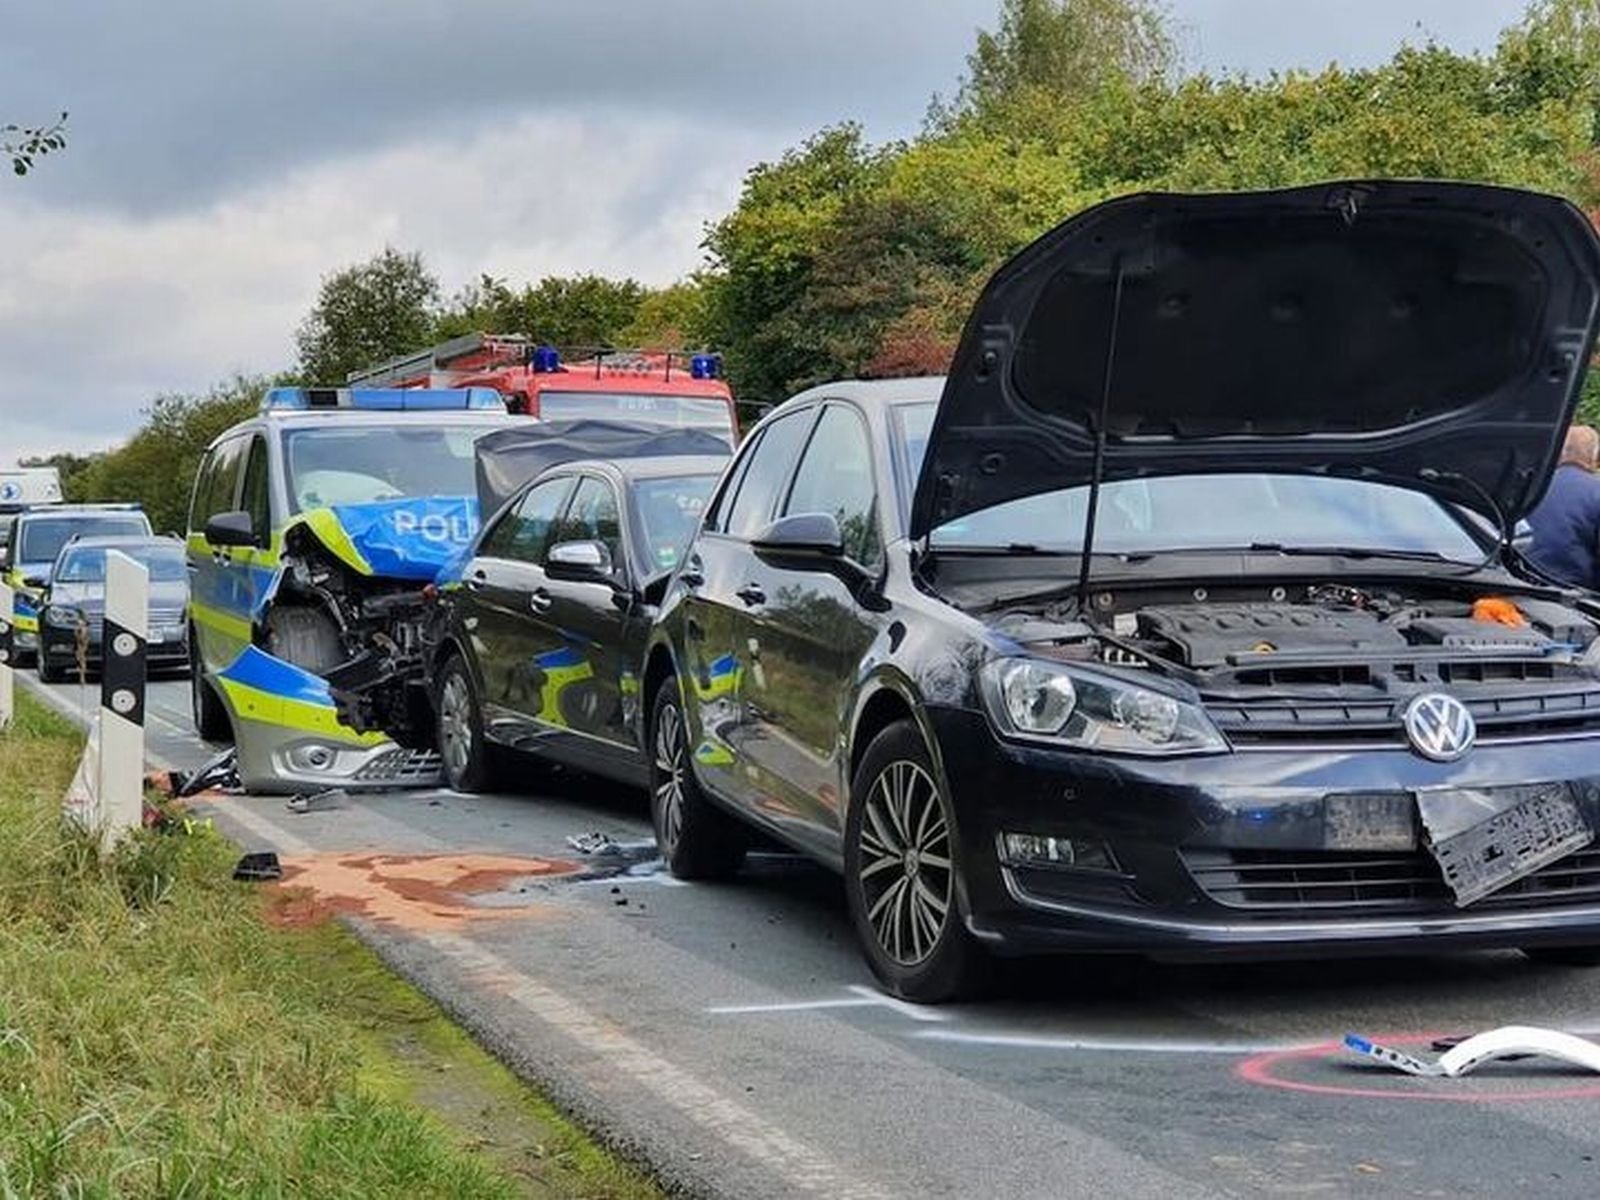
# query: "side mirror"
{"points": [[36, 582], [579, 562], [231, 529], [802, 535]]}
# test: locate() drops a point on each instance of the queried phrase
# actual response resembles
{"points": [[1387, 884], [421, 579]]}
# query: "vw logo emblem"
{"points": [[10, 491], [1440, 727]]}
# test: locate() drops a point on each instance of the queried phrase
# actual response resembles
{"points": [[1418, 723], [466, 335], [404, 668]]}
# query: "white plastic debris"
{"points": [[1510, 1041]]}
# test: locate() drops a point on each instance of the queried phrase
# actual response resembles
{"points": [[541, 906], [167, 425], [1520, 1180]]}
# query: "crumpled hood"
{"points": [[397, 539], [1432, 335]]}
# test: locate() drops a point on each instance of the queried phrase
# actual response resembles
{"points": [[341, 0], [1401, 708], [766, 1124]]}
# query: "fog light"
{"points": [[311, 758], [1038, 850]]}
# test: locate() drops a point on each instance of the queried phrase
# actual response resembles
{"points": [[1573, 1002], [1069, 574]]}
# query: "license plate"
{"points": [[1369, 821], [1524, 829]]}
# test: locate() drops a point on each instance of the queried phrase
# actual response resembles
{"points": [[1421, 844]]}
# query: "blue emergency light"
{"points": [[546, 359], [705, 366], [293, 399]]}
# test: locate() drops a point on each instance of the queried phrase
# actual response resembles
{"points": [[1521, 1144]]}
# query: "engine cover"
{"points": [[1205, 635]]}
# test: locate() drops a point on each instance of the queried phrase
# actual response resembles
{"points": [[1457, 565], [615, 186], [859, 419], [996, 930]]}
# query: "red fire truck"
{"points": [[673, 388]]}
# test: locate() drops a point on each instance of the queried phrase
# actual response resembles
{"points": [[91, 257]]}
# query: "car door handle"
{"points": [[752, 595], [539, 600], [693, 573]]}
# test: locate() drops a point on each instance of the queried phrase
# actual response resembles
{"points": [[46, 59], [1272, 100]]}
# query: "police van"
{"points": [[31, 536], [315, 529]]}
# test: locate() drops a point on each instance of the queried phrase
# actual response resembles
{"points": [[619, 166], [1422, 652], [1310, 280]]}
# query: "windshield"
{"points": [[669, 509], [88, 564], [676, 412], [1206, 512], [362, 464], [42, 539]]}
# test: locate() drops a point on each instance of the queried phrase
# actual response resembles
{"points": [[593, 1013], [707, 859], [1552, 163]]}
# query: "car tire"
{"points": [[1563, 956], [467, 757], [49, 673], [305, 637], [211, 721], [902, 873], [697, 840]]}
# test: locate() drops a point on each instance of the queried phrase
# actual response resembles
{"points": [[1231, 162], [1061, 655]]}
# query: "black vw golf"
{"points": [[1183, 617]]}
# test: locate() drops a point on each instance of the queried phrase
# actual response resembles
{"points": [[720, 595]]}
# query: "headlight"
{"points": [[1045, 701], [58, 614]]}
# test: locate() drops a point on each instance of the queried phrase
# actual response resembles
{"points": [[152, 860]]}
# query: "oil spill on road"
{"points": [[413, 891]]}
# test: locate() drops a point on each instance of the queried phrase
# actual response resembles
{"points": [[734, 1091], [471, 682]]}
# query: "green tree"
{"points": [[24, 144], [569, 311], [1065, 49], [365, 314], [156, 467]]}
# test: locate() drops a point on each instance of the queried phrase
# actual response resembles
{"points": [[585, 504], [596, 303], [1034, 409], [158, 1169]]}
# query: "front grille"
{"points": [[401, 766], [1312, 882], [1504, 715]]}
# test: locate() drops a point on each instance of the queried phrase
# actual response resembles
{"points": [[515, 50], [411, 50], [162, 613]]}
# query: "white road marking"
{"points": [[1114, 1045], [802, 1167], [860, 997]]}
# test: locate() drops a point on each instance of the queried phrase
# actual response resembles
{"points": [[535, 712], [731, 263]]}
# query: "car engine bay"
{"points": [[1201, 634]]}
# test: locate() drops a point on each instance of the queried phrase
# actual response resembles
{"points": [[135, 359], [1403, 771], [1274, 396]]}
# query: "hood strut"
{"points": [[1097, 469]]}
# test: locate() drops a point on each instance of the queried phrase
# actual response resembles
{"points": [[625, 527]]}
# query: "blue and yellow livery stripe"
{"points": [[262, 688]]}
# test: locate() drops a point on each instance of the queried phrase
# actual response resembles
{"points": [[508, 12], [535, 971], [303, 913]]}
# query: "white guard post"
{"points": [[122, 696], [8, 634]]}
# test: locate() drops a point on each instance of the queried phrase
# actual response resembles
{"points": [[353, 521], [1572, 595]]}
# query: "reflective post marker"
{"points": [[122, 650], [8, 607]]}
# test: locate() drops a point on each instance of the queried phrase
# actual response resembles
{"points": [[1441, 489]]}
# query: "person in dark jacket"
{"points": [[1566, 524]]}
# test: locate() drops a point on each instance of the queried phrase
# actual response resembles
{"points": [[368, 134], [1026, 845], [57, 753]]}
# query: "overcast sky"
{"points": [[224, 156]]}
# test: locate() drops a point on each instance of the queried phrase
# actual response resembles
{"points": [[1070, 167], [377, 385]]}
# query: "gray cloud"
{"points": [[179, 101], [225, 155]]}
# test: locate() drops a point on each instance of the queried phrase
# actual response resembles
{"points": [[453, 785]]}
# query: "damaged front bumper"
{"points": [[1242, 854], [290, 739]]}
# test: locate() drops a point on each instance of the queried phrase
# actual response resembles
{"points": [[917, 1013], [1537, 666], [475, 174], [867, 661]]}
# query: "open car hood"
{"points": [[1431, 335]]}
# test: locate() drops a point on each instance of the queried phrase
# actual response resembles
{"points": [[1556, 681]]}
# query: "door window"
{"points": [[593, 517], [768, 470], [835, 476], [524, 532], [254, 499], [222, 488]]}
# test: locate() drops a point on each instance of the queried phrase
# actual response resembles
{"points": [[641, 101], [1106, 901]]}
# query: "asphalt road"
{"points": [[729, 1035]]}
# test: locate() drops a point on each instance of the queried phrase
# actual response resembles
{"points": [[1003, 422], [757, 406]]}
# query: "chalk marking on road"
{"points": [[860, 997], [1109, 1045], [801, 1166]]}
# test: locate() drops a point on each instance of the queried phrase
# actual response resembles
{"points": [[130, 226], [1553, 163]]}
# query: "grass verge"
{"points": [[159, 1037]]}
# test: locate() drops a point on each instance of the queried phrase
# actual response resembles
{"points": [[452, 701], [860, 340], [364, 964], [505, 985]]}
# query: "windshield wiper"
{"points": [[1354, 552]]}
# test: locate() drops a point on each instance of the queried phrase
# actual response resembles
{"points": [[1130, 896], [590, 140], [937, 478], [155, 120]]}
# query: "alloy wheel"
{"points": [[455, 725], [669, 778], [905, 867]]}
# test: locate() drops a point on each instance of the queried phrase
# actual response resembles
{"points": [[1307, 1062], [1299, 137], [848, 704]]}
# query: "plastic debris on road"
{"points": [[1467, 1055], [318, 801], [220, 771], [594, 843], [259, 867]]}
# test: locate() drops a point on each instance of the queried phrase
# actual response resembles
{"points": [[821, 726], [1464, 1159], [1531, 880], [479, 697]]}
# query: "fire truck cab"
{"points": [[675, 389]]}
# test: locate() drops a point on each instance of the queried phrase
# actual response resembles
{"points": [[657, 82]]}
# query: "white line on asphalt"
{"points": [[1111, 1045], [860, 997], [802, 1167]]}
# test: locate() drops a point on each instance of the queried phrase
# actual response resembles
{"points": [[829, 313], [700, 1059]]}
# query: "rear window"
{"points": [[43, 537]]}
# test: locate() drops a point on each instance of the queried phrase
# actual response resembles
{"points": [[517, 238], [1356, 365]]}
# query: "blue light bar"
{"points": [[292, 399], [546, 360], [705, 366]]}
